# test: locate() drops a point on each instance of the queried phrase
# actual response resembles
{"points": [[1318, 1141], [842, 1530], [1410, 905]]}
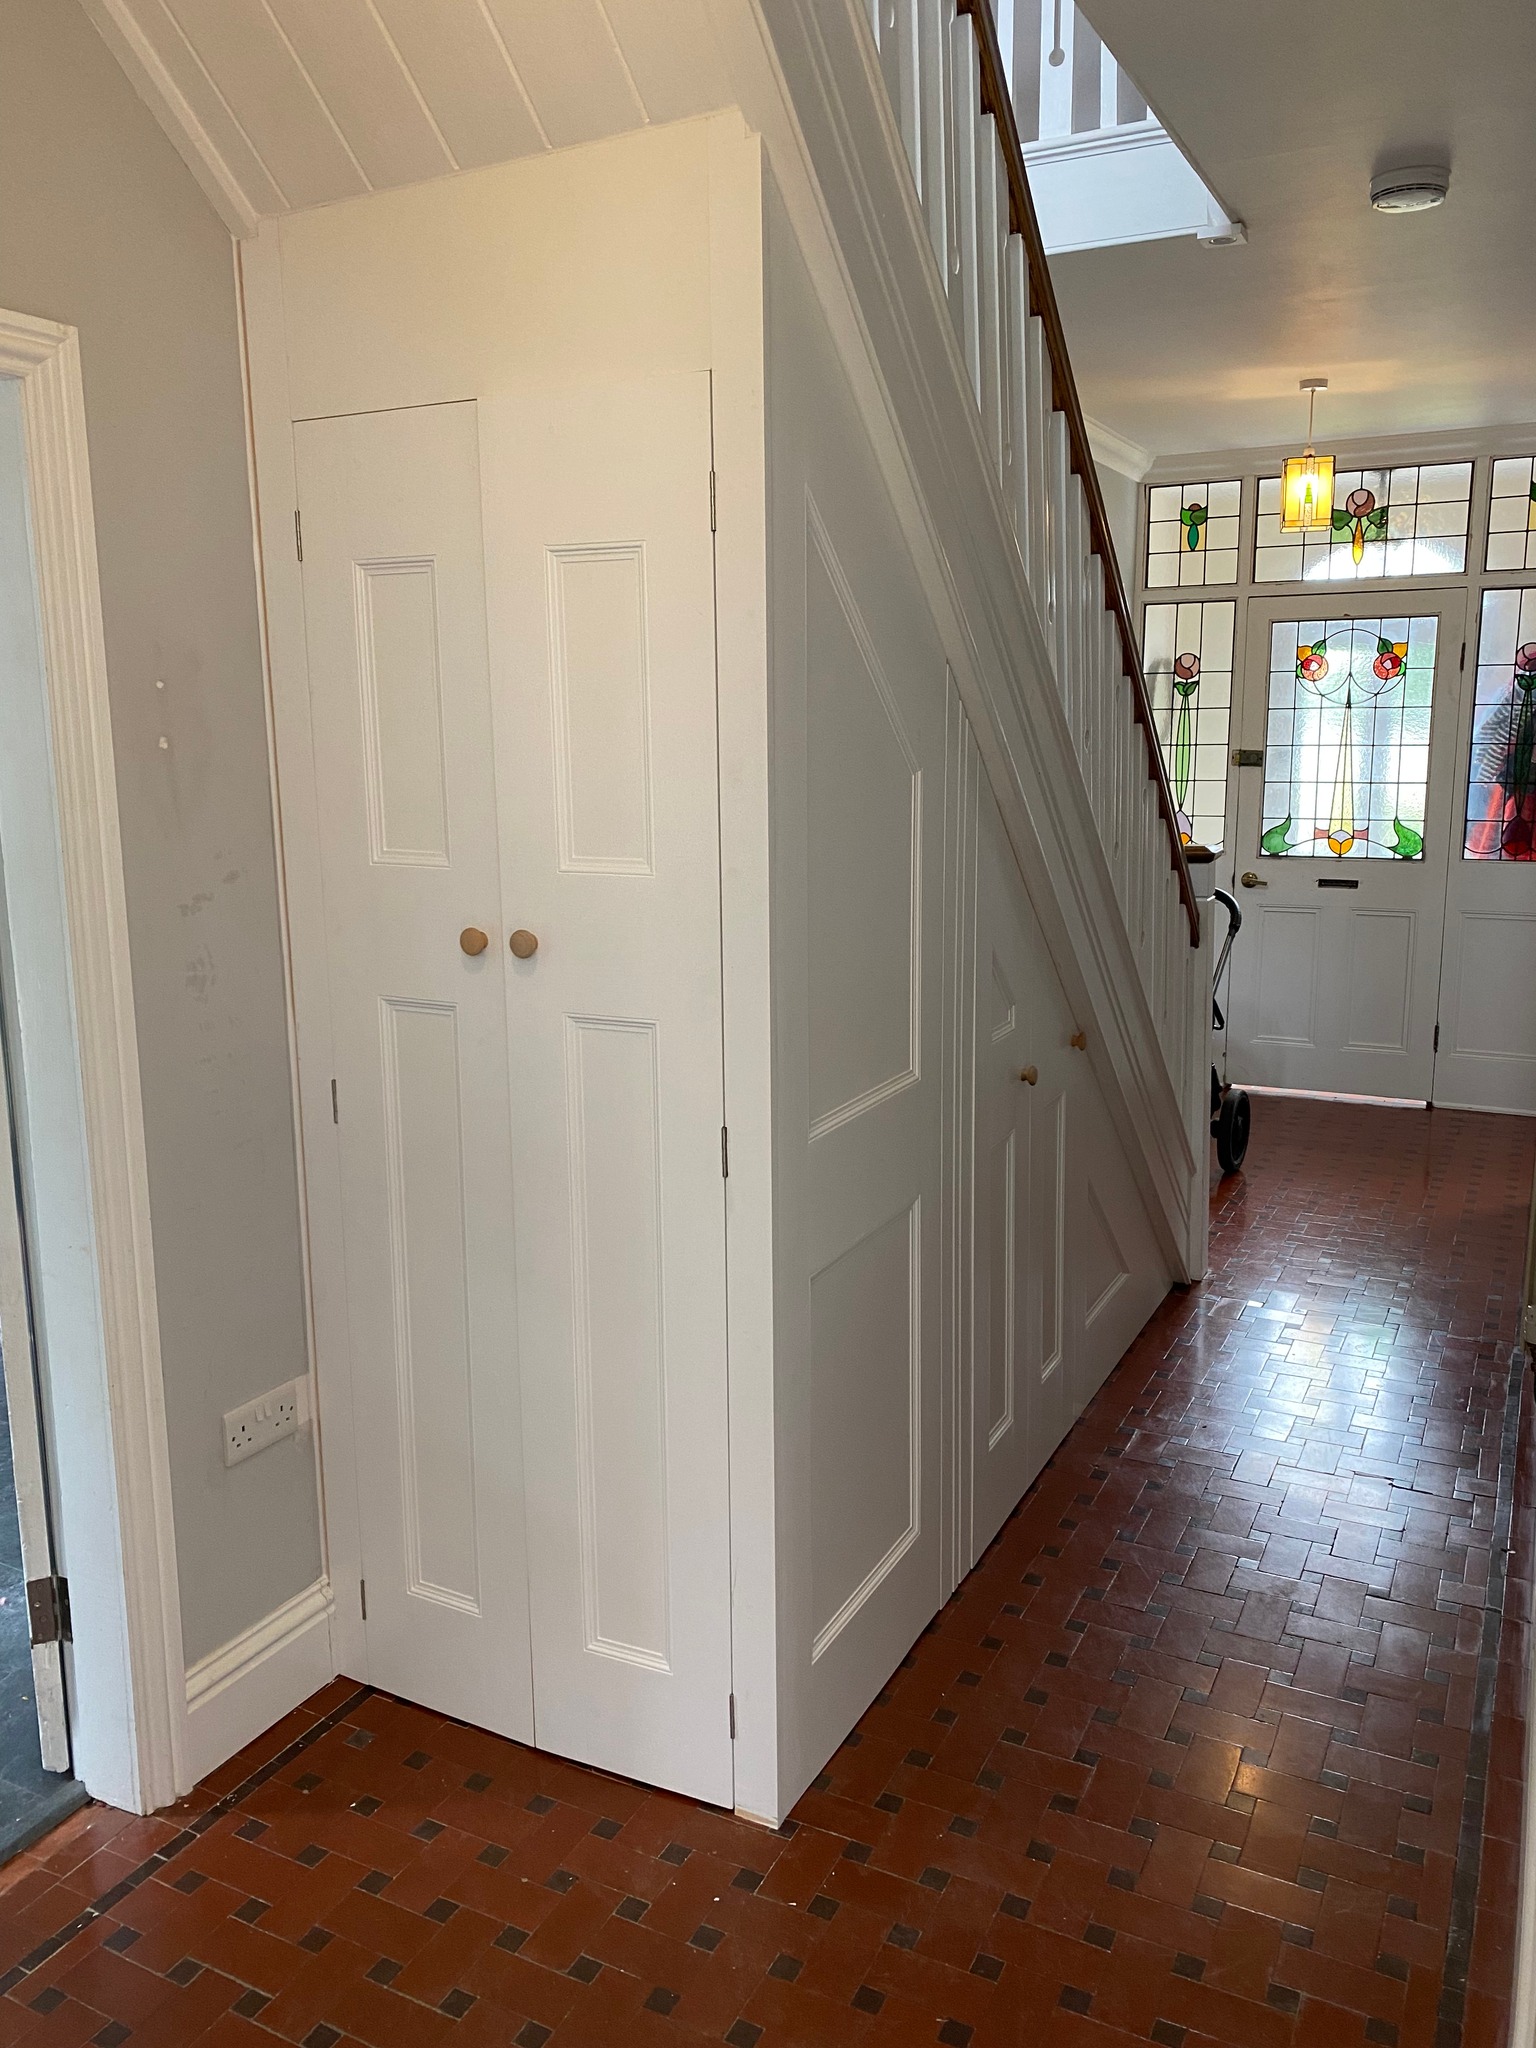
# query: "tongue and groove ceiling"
{"points": [[283, 104]]}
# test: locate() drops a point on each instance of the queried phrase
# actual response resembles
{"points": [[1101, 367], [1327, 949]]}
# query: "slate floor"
{"points": [[1219, 1744]]}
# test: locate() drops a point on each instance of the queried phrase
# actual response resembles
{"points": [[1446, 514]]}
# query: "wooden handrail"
{"points": [[997, 100]]}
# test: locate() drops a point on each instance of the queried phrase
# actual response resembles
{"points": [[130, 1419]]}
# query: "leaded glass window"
{"points": [[1501, 776], [1386, 522], [1187, 654], [1192, 533], [1512, 515], [1346, 757]]}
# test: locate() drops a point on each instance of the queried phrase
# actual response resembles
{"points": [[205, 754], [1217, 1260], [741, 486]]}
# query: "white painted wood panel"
{"points": [[1015, 1395], [394, 599], [602, 623], [857, 778]]}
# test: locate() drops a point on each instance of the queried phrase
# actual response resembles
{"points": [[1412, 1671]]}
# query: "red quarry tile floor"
{"points": [[1196, 1755]]}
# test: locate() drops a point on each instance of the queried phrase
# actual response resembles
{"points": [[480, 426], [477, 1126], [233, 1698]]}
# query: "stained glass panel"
{"points": [[1192, 533], [1512, 515], [1346, 757], [1501, 778], [1386, 522], [1187, 652]]}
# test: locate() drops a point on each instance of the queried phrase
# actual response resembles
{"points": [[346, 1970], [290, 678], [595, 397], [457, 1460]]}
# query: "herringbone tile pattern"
{"points": [[1187, 1759]]}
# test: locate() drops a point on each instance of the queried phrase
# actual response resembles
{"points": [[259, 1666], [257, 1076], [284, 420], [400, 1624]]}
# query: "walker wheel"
{"points": [[1231, 1130]]}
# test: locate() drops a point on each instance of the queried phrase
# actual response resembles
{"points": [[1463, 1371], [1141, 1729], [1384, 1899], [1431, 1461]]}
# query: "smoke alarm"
{"points": [[1414, 189]]}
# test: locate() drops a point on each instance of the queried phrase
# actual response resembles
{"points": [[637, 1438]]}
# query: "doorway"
{"points": [[1339, 841], [37, 1785], [1348, 715]]}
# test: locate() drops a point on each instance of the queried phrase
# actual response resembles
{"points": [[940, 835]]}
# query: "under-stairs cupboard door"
{"points": [[1018, 1379], [394, 605], [602, 611]]}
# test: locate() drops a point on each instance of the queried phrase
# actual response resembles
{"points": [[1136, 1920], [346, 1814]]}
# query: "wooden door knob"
{"points": [[1029, 1074], [1079, 1041], [524, 944], [472, 940]]}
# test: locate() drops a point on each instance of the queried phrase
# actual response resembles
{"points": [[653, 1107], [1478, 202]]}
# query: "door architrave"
{"points": [[78, 1077]]}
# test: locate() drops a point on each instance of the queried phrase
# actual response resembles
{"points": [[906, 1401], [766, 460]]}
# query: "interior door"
{"points": [[394, 601], [1487, 1049], [601, 560], [19, 1359], [1018, 1314], [1342, 841]]}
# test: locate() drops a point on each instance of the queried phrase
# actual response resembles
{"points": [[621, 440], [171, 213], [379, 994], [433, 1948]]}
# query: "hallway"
{"points": [[1197, 1754]]}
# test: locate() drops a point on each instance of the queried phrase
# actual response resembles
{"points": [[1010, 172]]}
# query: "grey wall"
{"points": [[103, 227], [1120, 495]]}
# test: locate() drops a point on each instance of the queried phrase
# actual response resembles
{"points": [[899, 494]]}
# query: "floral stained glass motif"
{"points": [[1192, 533], [1512, 515], [1501, 778], [1386, 522], [1346, 758], [1187, 654]]}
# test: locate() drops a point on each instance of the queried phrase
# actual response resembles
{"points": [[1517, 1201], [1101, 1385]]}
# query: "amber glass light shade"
{"points": [[1306, 492]]}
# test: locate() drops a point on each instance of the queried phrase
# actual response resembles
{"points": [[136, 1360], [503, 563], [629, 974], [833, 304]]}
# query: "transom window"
{"points": [[1192, 533], [1386, 522], [1512, 514]]}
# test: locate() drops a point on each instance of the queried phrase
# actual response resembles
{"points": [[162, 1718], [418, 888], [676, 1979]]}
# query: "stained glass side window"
{"points": [[1512, 515], [1501, 777], [1192, 533], [1187, 653], [1386, 522], [1346, 757]]}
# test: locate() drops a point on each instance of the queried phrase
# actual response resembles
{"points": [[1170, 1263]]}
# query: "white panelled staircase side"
{"points": [[706, 703]]}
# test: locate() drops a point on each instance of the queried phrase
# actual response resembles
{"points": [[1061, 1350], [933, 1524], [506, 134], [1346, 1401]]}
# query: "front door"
{"points": [[1343, 834]]}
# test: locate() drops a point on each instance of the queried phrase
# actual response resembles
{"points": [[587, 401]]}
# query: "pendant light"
{"points": [[1306, 483]]}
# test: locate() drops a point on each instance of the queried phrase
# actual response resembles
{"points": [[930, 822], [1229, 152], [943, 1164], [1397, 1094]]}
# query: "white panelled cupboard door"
{"points": [[601, 583], [1019, 1322], [394, 598]]}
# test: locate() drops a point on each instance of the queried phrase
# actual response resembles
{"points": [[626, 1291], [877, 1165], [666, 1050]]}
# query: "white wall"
{"points": [[104, 228]]}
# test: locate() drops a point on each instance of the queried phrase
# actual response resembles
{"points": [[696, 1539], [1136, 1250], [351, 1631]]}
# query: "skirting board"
{"points": [[242, 1688]]}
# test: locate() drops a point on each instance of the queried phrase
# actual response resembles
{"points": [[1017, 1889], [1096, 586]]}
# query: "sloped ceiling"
{"points": [[1422, 321], [283, 104]]}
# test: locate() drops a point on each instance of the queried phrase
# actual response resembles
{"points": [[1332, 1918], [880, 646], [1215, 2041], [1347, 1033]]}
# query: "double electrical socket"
{"points": [[266, 1420]]}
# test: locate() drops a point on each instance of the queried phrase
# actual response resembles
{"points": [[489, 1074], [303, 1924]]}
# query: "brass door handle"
{"points": [[1250, 880], [1079, 1041], [473, 940], [523, 944], [1029, 1074]]}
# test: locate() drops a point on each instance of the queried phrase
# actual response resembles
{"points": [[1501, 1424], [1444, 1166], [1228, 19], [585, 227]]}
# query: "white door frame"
{"points": [[78, 1093]]}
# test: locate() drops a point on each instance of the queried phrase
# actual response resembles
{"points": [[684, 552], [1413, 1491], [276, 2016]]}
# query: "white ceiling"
{"points": [[281, 104], [1423, 321]]}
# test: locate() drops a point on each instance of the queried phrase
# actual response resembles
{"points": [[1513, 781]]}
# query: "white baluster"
{"points": [[933, 26], [965, 240], [992, 224], [896, 32], [1054, 500], [1037, 412]]}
